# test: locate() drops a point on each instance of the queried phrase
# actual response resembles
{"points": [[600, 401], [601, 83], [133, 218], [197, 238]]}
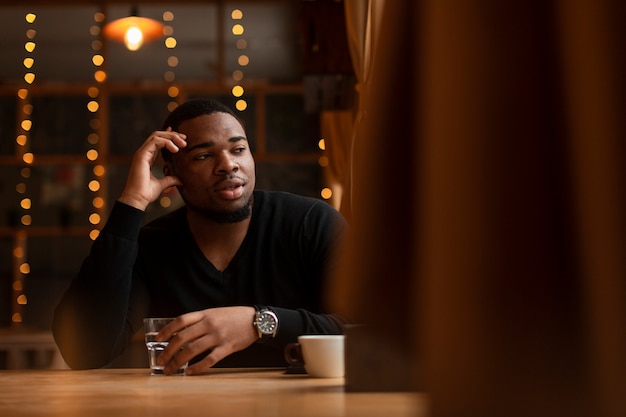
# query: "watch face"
{"points": [[266, 323]]}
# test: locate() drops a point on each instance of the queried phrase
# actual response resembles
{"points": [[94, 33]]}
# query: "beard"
{"points": [[224, 217]]}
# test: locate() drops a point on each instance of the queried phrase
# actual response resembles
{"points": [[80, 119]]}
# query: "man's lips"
{"points": [[230, 189], [229, 184]]}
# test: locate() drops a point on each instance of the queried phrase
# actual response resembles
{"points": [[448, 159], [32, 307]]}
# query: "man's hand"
{"points": [[142, 188], [221, 331]]}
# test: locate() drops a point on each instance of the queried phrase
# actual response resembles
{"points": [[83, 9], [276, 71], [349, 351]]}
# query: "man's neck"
{"points": [[218, 241]]}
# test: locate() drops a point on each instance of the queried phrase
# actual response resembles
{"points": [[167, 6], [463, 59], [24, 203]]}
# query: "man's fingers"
{"points": [[174, 357], [168, 182], [180, 332], [171, 140], [216, 355]]}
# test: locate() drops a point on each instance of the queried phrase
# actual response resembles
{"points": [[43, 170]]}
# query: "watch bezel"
{"points": [[261, 325]]}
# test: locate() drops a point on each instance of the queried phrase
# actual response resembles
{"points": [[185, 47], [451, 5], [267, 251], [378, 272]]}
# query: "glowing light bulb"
{"points": [[133, 39]]}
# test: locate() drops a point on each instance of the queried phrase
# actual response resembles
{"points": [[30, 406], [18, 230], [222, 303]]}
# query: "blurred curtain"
{"points": [[336, 129], [488, 201], [339, 127]]}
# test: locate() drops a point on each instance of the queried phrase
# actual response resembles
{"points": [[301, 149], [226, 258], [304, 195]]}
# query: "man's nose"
{"points": [[225, 163]]}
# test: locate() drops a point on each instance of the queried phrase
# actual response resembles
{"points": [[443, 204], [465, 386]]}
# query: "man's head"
{"points": [[216, 167], [192, 109]]}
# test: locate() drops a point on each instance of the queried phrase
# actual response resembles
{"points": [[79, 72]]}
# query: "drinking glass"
{"points": [[152, 326]]}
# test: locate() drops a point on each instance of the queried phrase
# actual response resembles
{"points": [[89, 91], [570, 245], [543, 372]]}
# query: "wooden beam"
{"points": [[64, 3]]}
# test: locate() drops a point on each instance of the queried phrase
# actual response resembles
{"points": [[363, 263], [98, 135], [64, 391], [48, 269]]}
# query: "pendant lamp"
{"points": [[133, 30]]}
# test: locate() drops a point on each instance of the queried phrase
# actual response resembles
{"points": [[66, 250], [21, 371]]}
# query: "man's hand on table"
{"points": [[221, 331]]}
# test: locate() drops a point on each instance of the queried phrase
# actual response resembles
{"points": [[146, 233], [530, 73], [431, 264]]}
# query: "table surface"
{"points": [[219, 392]]}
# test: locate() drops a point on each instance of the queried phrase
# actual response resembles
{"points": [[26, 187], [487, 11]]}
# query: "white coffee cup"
{"points": [[321, 355]]}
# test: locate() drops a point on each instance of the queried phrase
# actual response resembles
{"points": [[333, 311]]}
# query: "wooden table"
{"points": [[220, 392]]}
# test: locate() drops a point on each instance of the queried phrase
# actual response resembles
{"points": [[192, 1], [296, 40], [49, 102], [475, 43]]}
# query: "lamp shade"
{"points": [[133, 31]]}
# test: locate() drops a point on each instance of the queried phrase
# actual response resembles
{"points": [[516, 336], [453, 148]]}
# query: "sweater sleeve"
{"points": [[102, 308], [321, 233], [293, 323]]}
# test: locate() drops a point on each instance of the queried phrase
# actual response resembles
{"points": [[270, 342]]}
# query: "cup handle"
{"points": [[293, 354]]}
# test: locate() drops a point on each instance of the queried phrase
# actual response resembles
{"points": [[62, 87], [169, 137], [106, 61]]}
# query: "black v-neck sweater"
{"points": [[158, 270]]}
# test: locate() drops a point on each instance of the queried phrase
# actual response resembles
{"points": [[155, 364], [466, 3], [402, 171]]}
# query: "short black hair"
{"points": [[190, 110], [194, 108]]}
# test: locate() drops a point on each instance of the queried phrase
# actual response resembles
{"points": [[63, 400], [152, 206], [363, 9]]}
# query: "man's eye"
{"points": [[203, 156], [240, 150]]}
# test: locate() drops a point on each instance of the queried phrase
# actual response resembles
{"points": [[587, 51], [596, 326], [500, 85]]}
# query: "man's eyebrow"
{"points": [[209, 144], [235, 139], [199, 145]]}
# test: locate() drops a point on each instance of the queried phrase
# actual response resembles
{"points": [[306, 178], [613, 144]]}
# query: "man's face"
{"points": [[216, 167]]}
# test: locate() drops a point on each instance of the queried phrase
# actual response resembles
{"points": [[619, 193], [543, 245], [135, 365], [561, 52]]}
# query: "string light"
{"points": [[169, 76], [238, 30], [323, 160], [23, 269], [93, 139], [22, 143], [326, 193], [172, 61]]}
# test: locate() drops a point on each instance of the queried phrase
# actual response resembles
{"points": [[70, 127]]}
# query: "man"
{"points": [[231, 256]]}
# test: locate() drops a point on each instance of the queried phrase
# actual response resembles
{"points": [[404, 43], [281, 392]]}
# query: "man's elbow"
{"points": [[74, 349]]}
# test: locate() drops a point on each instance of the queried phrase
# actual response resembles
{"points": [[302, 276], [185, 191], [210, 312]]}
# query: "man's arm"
{"points": [[99, 313], [322, 236], [223, 331], [93, 322]]}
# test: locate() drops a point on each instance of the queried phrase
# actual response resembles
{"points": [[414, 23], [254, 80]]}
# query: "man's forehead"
{"points": [[214, 123]]}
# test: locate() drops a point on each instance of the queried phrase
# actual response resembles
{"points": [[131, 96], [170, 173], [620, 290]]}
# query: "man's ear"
{"points": [[167, 169]]}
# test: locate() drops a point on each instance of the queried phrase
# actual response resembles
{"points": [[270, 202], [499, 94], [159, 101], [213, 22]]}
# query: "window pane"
{"points": [[289, 128], [133, 119], [53, 261], [295, 177], [60, 125], [8, 116]]}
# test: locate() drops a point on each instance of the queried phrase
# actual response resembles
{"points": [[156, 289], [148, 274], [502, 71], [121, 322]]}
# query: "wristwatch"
{"points": [[266, 323]]}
